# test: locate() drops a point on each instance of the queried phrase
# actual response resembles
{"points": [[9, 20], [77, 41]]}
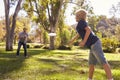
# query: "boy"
{"points": [[92, 41]]}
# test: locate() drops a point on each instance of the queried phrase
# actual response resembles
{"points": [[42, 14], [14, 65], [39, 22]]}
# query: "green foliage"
{"points": [[83, 4], [65, 33], [43, 12], [110, 44], [93, 21], [2, 30], [28, 46], [45, 37], [99, 34], [117, 32], [66, 36]]}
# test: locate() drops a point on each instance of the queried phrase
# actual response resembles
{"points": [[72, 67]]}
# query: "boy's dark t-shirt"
{"points": [[81, 30]]}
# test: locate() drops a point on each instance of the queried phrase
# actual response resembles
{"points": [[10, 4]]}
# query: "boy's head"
{"points": [[81, 15]]}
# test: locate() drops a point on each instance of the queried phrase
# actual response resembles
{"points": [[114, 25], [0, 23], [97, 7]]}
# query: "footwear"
{"points": [[89, 79], [110, 79]]}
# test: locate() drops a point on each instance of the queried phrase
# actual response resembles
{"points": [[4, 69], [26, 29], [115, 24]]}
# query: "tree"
{"points": [[115, 10], [10, 27], [83, 4], [46, 13], [39, 34], [117, 32]]}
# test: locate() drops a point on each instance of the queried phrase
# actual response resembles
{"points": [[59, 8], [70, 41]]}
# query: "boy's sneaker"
{"points": [[89, 79]]}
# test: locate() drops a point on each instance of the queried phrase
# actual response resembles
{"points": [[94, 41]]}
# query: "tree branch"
{"points": [[15, 16], [74, 3]]}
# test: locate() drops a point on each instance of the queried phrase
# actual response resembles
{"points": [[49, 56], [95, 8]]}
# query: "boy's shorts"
{"points": [[96, 54]]}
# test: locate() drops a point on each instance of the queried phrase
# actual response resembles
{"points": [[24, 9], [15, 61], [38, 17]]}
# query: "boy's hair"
{"points": [[81, 13]]}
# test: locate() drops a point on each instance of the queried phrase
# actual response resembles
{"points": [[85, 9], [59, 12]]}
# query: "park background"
{"points": [[50, 58]]}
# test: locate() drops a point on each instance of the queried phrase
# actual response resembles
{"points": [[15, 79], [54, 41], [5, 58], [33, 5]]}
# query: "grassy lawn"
{"points": [[53, 65]]}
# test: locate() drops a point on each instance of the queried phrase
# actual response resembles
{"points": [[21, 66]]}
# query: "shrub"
{"points": [[65, 36], [38, 46], [28, 46], [63, 47], [45, 47], [109, 44], [76, 43]]}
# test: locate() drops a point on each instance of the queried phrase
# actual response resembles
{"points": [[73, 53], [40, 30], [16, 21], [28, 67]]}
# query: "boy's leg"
{"points": [[18, 50], [108, 71], [99, 54], [25, 49], [92, 62], [91, 71]]}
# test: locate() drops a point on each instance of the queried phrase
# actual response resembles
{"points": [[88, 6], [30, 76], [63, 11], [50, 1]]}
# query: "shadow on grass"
{"points": [[62, 66], [9, 62], [68, 65], [114, 64]]}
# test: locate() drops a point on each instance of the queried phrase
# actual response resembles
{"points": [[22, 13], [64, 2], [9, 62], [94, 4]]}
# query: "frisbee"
{"points": [[52, 34]]}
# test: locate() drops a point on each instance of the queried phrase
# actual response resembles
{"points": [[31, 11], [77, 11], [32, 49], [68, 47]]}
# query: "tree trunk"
{"points": [[9, 46], [53, 22], [7, 20], [52, 39], [10, 30]]}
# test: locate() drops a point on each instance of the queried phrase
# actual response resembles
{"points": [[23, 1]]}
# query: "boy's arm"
{"points": [[73, 39], [88, 30]]}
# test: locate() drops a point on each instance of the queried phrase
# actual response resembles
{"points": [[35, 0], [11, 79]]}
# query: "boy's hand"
{"points": [[82, 44]]}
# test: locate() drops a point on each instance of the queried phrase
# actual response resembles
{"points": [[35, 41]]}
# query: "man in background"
{"points": [[22, 41]]}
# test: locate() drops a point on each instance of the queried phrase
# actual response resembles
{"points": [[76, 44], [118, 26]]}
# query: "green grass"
{"points": [[53, 65]]}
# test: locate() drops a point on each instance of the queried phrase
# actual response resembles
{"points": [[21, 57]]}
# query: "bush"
{"points": [[76, 43], [65, 36], [45, 47], [28, 46], [109, 44], [109, 50], [63, 47], [38, 46]]}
